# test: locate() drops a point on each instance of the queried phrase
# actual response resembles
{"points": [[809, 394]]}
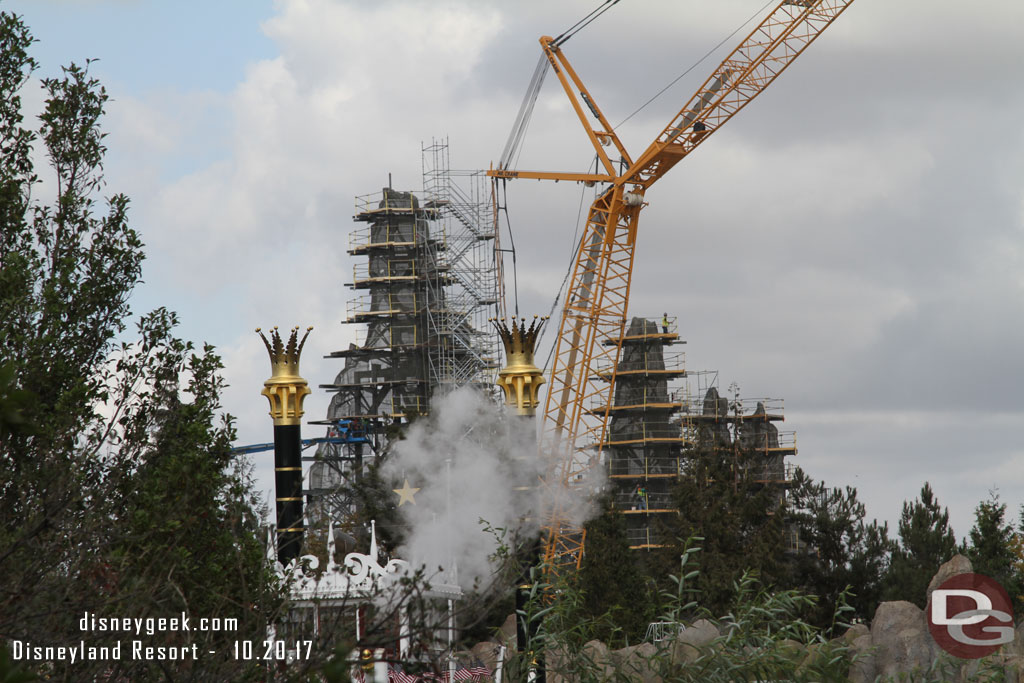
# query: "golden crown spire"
{"points": [[520, 379], [285, 389]]}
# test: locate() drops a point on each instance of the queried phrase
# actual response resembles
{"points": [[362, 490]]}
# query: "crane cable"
{"points": [[503, 208], [513, 145], [515, 138], [577, 239], [573, 30], [694, 65], [522, 122], [532, 96]]}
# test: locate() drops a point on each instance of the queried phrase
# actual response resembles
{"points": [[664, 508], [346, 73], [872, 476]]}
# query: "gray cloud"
{"points": [[851, 241]]}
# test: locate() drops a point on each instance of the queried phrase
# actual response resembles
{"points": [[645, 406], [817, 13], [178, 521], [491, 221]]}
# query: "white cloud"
{"points": [[851, 237]]}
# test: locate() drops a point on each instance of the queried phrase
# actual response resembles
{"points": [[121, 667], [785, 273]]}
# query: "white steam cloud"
{"points": [[475, 466]]}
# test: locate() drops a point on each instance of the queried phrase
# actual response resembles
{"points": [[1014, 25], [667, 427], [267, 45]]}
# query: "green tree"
{"points": [[118, 492], [926, 541], [991, 548], [847, 552], [613, 586], [734, 514]]}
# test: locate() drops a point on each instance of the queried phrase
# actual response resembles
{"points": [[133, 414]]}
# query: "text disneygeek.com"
{"points": [[142, 650]]}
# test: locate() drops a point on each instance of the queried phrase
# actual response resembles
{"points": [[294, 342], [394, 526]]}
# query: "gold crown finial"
{"points": [[520, 379], [285, 389]]}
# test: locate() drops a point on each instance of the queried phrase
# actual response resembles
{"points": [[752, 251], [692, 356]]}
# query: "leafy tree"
{"points": [[613, 586], [734, 514], [991, 548], [926, 541], [761, 638], [372, 497], [118, 492], [848, 552]]}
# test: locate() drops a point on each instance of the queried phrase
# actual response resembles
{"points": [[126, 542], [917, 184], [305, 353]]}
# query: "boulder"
{"points": [[558, 663], [901, 638], [687, 644], [958, 564], [596, 656], [486, 652], [863, 669], [1013, 668], [1017, 646], [636, 663], [791, 649], [811, 656], [855, 632], [506, 634], [995, 667]]}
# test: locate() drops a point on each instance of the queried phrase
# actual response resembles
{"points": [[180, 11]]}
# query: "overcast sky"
{"points": [[851, 242]]}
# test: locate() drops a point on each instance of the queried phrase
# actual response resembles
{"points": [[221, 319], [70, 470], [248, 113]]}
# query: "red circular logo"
{"points": [[970, 616]]}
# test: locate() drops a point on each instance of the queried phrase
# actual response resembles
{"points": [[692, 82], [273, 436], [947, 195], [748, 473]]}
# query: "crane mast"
{"points": [[594, 311]]}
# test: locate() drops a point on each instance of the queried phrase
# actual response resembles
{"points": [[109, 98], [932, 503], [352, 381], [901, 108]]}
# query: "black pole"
{"points": [[288, 480], [285, 390]]}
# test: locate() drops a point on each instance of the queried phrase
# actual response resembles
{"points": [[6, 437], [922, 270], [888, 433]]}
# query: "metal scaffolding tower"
{"points": [[661, 413], [427, 286], [465, 349]]}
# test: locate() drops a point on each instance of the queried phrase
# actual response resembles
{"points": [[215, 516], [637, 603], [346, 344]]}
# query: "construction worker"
{"points": [[664, 323], [641, 493]]}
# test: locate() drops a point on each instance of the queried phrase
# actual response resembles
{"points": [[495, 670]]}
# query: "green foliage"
{"points": [[118, 492], [373, 498], [761, 637], [845, 552], [764, 638], [736, 517], [12, 671], [613, 588], [991, 548], [926, 541]]}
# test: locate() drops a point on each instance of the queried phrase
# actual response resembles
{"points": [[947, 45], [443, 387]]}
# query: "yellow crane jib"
{"points": [[596, 302]]}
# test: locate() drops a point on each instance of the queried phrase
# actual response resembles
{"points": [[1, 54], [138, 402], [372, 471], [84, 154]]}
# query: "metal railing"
{"points": [[666, 324], [387, 235], [777, 474], [765, 442], [385, 201], [643, 396], [399, 268], [642, 537], [655, 362], [652, 501], [746, 407], [391, 336], [642, 432], [624, 467], [391, 304], [660, 631]]}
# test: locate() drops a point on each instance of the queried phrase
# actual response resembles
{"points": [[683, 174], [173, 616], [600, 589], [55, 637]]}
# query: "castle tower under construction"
{"points": [[426, 283], [662, 414], [644, 439]]}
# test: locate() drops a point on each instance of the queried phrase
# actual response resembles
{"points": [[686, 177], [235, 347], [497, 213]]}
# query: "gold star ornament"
{"points": [[406, 494]]}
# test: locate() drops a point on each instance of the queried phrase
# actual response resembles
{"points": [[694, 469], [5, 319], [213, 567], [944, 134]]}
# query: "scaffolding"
{"points": [[660, 417], [423, 295], [466, 349], [644, 442]]}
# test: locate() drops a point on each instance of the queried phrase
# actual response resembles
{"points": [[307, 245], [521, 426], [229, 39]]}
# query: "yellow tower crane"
{"points": [[594, 311]]}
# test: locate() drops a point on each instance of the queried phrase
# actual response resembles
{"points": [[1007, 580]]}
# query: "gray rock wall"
{"points": [[895, 647]]}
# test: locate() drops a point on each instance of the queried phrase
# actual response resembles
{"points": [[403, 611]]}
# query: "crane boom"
{"points": [[594, 313], [778, 40]]}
